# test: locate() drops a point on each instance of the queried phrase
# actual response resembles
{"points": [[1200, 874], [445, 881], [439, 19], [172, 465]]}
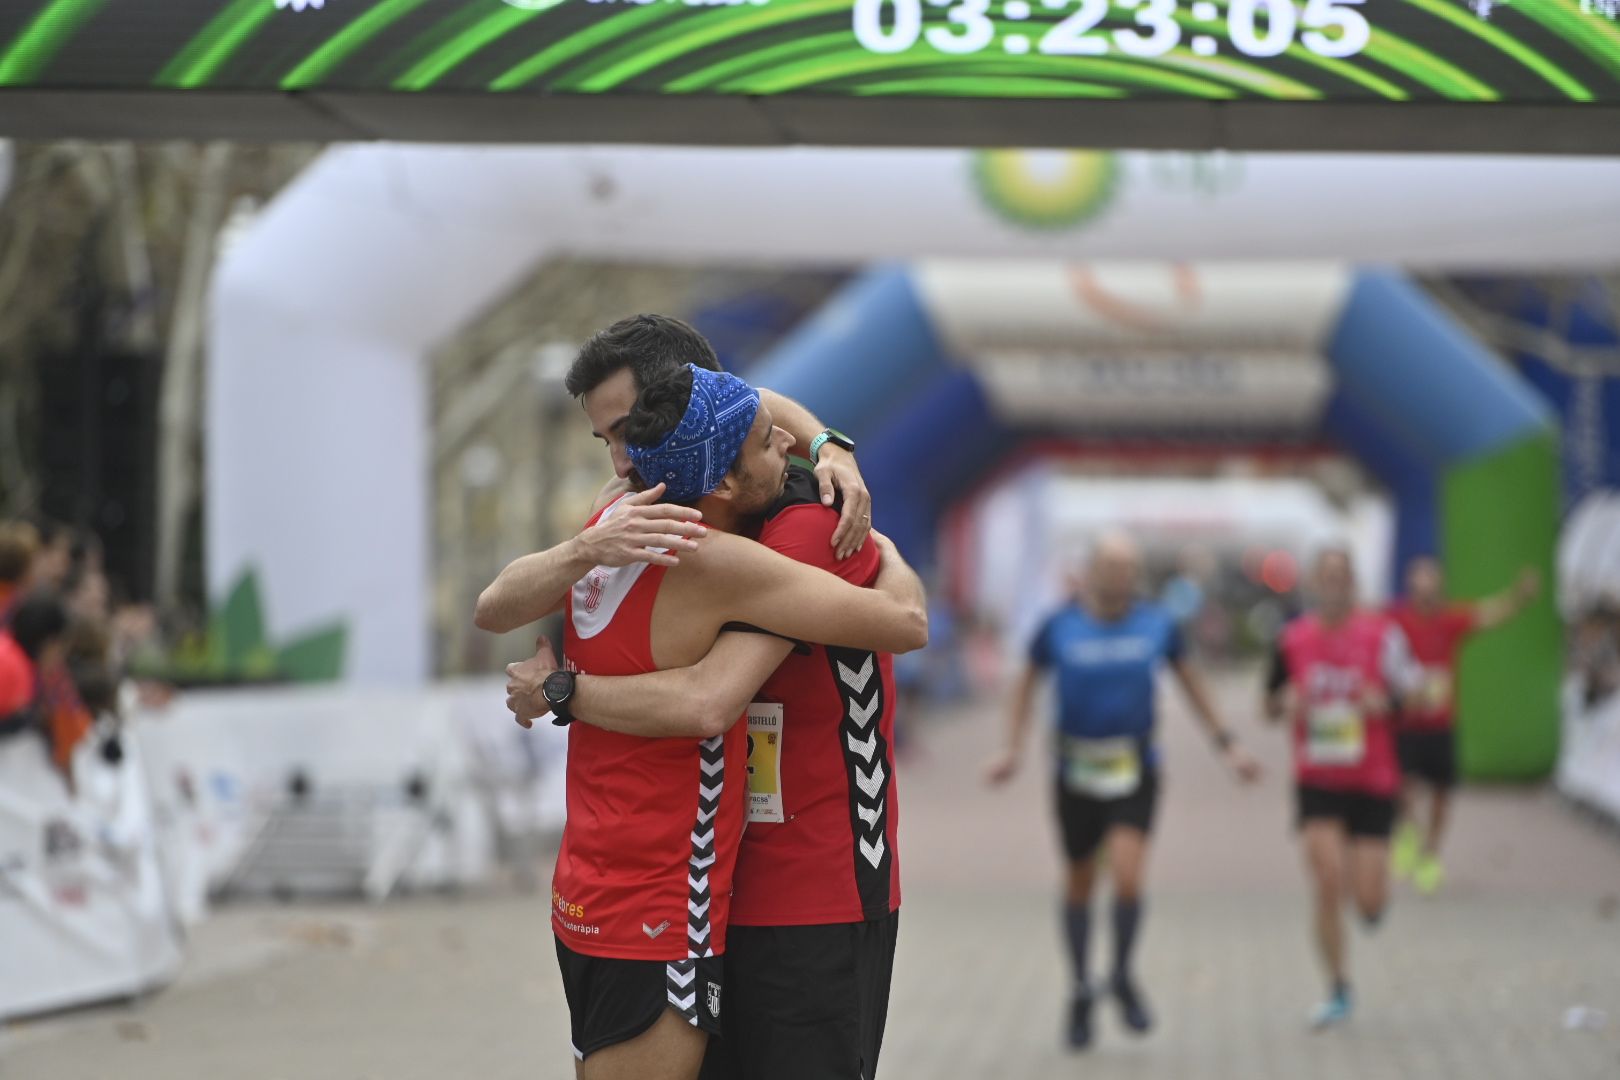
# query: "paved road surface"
{"points": [[1472, 984]]}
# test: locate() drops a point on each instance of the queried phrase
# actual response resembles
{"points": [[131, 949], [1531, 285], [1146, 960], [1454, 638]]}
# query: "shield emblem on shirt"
{"points": [[593, 589]]}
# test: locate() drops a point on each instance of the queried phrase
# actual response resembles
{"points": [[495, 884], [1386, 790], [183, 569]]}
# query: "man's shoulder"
{"points": [[801, 490], [800, 527], [1069, 615]]}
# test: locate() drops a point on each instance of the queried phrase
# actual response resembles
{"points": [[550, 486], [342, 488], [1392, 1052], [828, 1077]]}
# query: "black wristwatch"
{"points": [[558, 690]]}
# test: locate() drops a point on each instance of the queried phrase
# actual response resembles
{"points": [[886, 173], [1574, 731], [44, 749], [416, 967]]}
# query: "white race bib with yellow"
{"points": [[1102, 768], [765, 761], [1335, 734]]}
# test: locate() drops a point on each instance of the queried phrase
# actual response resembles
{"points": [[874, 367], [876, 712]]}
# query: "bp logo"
{"points": [[1046, 189]]}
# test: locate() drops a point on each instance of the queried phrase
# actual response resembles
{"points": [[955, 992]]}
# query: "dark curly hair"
{"points": [[659, 408], [651, 346]]}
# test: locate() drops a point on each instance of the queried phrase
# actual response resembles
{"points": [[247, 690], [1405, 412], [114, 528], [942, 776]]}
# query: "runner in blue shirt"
{"points": [[1105, 648]]}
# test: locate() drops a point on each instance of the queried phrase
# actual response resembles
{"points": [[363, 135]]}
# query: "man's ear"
{"points": [[727, 488]]}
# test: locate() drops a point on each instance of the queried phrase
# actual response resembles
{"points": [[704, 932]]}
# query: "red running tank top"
{"points": [[821, 844], [650, 844], [1338, 745], [1435, 640]]}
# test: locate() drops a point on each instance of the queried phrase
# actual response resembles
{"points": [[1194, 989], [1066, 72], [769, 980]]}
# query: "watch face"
{"points": [[558, 687]]}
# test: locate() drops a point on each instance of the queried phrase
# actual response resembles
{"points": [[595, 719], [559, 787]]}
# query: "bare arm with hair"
{"points": [[534, 586], [699, 701], [750, 583], [835, 470]]}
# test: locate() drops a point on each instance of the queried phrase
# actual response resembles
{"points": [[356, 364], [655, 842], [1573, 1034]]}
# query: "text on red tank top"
{"points": [[1339, 742]]}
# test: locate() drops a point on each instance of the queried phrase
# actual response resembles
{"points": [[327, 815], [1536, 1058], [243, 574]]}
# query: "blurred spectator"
{"points": [[54, 559], [41, 634], [84, 587], [89, 664], [19, 543], [35, 641], [62, 665], [1596, 653]]}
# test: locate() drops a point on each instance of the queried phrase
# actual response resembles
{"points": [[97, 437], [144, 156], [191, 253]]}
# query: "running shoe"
{"points": [[1429, 875], [1132, 1008], [1332, 1012], [1404, 853], [1080, 1019]]}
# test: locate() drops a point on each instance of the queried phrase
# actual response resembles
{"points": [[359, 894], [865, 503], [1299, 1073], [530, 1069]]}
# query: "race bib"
{"points": [[1335, 734], [765, 761], [1102, 768], [1434, 695]]}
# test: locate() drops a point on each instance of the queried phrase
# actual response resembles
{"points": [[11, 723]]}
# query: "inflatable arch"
{"points": [[324, 308], [1466, 449]]}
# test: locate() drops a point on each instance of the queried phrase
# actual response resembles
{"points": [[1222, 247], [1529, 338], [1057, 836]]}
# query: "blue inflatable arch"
{"points": [[1465, 448]]}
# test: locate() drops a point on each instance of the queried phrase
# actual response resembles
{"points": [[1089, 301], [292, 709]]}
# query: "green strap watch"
{"points": [[831, 435]]}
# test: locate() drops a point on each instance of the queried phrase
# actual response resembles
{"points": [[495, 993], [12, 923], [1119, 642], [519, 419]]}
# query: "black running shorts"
{"points": [[1366, 817], [804, 1002], [1086, 820], [613, 1001], [1429, 754]]}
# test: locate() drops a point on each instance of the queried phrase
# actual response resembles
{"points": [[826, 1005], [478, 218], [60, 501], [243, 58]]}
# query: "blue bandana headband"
{"points": [[695, 457]]}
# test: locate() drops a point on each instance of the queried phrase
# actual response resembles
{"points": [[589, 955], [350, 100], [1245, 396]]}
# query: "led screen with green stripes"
{"points": [[1539, 51]]}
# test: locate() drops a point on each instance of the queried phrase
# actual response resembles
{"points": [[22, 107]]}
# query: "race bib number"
{"points": [[1102, 768], [1335, 734], [1434, 695], [765, 761]]}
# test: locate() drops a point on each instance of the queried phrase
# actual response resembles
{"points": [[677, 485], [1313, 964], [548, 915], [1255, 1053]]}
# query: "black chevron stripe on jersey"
{"points": [[711, 784], [868, 765]]}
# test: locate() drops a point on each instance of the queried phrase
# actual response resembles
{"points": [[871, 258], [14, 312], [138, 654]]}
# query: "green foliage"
{"points": [[236, 648]]}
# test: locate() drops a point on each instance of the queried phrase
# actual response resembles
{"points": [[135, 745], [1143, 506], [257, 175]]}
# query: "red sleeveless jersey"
{"points": [[1435, 640], [650, 843], [824, 806], [1339, 745]]}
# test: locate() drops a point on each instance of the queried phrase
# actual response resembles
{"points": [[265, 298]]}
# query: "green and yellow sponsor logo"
{"points": [[1046, 189]]}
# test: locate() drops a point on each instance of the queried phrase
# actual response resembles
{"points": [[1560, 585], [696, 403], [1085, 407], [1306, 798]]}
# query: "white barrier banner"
{"points": [[1589, 757], [84, 906]]}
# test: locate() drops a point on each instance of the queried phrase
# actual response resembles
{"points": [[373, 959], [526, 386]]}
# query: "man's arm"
{"points": [[1493, 611], [1278, 697], [750, 583], [1400, 668], [534, 586], [1192, 684], [699, 701], [1004, 765], [835, 469]]}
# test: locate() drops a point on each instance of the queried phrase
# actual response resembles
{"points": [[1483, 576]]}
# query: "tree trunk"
{"points": [[180, 405]]}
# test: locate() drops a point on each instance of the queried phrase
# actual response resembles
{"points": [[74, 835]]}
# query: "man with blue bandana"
{"points": [[612, 369], [640, 993], [815, 908], [1105, 648]]}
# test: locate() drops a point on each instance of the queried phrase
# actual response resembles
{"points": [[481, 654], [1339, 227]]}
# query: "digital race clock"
{"points": [[1391, 74], [1393, 50]]}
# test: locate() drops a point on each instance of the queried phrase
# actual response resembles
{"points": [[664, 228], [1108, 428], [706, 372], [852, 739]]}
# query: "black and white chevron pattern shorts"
{"points": [[613, 1001]]}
